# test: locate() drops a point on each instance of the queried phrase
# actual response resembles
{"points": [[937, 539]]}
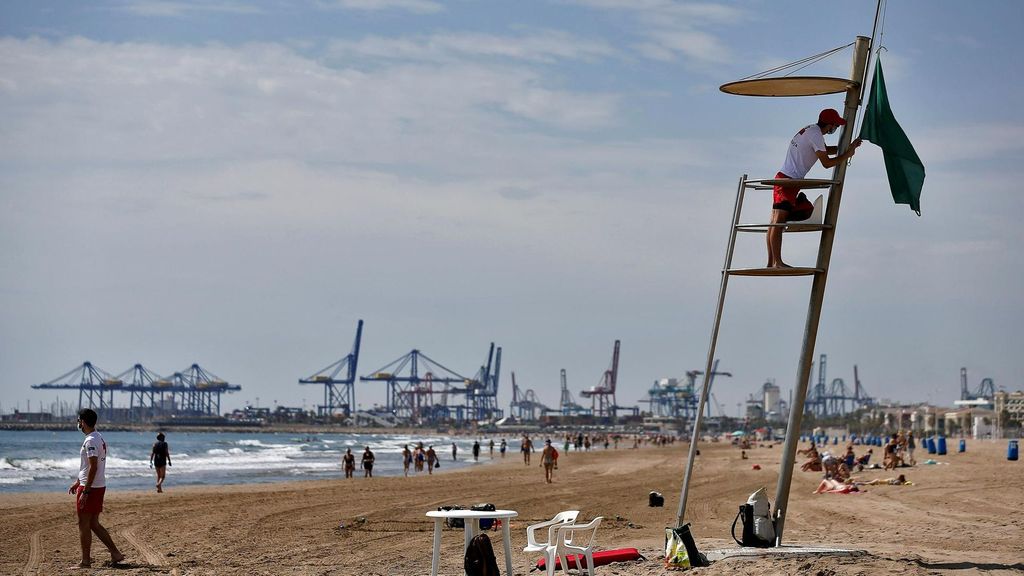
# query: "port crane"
{"points": [[985, 391], [339, 392], [602, 396], [525, 406], [567, 405]]}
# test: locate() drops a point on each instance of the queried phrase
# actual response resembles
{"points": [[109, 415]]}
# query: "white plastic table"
{"points": [[472, 520]]}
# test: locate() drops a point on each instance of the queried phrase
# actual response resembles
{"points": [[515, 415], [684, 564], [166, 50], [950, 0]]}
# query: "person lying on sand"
{"points": [[836, 487], [900, 480]]}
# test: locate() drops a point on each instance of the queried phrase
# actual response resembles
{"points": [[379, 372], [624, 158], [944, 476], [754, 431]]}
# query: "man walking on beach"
{"points": [[89, 489], [806, 148]]}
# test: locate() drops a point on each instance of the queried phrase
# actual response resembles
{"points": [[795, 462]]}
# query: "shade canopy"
{"points": [[789, 86]]}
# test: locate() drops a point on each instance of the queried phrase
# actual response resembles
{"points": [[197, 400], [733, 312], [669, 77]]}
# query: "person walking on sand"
{"points": [[805, 149], [547, 458], [526, 448], [160, 458], [476, 450], [504, 446], [349, 463], [367, 463], [431, 460], [89, 489]]}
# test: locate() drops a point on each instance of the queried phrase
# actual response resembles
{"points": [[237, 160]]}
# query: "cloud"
{"points": [[672, 29], [84, 102], [415, 6], [543, 46], [178, 9]]}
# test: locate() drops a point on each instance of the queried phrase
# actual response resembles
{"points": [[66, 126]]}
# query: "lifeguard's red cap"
{"points": [[830, 116]]}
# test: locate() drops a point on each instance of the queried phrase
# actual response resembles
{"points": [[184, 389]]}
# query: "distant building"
{"points": [[28, 417], [1012, 403]]}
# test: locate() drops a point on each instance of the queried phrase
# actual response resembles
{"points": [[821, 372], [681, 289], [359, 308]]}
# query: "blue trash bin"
{"points": [[942, 446], [931, 445], [963, 445], [1012, 451]]}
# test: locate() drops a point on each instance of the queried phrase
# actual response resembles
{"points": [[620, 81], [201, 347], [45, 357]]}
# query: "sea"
{"points": [[47, 461]]}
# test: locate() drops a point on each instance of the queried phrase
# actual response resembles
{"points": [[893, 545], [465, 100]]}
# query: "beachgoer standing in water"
{"points": [[547, 457], [367, 463], [476, 450], [527, 447], [492, 448], [406, 459], [455, 451], [89, 489], [349, 463], [160, 457], [504, 446]]}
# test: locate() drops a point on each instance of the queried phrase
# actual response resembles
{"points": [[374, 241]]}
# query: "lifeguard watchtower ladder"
{"points": [[788, 86]]}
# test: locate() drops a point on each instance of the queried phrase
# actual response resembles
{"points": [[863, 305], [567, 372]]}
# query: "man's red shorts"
{"points": [[93, 504], [784, 197]]}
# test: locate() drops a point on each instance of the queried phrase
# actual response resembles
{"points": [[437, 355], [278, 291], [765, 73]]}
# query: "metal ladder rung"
{"points": [[788, 227], [794, 271]]}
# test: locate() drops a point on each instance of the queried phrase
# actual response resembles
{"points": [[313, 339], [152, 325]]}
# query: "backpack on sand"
{"points": [[480, 560], [758, 527]]}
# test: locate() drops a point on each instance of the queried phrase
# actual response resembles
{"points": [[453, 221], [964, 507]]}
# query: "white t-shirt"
{"points": [[802, 153], [94, 445]]}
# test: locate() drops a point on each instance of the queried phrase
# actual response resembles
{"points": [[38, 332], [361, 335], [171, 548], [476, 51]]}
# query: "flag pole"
{"points": [[796, 411]]}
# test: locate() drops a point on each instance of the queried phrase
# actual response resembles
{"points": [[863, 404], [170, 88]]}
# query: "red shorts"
{"points": [[784, 197], [792, 200], [93, 504]]}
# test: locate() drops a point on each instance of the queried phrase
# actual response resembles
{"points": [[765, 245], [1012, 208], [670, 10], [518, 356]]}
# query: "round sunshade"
{"points": [[788, 86]]}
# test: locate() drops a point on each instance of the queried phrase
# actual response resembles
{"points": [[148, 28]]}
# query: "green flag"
{"points": [[904, 168]]}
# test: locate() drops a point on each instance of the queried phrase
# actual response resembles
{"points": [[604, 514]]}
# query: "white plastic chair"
{"points": [[535, 545], [575, 539]]}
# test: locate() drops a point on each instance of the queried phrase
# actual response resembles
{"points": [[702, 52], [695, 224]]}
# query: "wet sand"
{"points": [[960, 517]]}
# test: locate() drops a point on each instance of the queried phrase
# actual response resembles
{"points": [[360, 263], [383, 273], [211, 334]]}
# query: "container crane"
{"points": [[567, 405], [339, 393], [602, 396]]}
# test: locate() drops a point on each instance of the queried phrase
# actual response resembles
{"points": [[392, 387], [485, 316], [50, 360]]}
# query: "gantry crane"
{"points": [[602, 396], [339, 393], [525, 406]]}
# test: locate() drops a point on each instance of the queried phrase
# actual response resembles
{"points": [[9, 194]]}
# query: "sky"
{"points": [[236, 184]]}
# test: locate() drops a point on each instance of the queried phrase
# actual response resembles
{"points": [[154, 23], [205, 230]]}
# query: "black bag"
{"points": [[485, 523], [696, 559], [453, 522], [749, 537], [655, 500], [480, 560]]}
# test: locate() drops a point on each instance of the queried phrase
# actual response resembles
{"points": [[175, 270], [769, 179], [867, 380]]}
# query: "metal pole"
{"points": [[796, 411], [708, 370]]}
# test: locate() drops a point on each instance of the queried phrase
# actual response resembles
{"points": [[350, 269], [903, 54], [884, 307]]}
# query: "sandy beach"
{"points": [[961, 516]]}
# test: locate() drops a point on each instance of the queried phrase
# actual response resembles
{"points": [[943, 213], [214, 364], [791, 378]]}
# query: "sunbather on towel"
{"points": [[836, 487]]}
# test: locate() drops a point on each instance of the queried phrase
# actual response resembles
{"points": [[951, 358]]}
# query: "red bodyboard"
{"points": [[600, 558]]}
